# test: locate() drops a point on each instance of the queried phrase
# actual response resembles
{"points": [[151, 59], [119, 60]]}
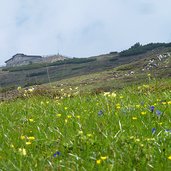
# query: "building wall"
{"points": [[21, 59]]}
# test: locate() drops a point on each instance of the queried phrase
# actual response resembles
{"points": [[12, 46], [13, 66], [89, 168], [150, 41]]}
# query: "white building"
{"points": [[21, 59]]}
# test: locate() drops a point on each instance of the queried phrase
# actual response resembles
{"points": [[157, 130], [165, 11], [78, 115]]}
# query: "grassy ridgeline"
{"points": [[125, 130]]}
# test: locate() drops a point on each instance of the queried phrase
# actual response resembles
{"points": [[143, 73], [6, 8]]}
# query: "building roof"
{"points": [[35, 56]]}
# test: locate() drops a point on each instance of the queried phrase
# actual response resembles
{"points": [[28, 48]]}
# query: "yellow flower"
{"points": [[80, 132], [22, 137], [58, 115], [137, 140], [103, 157], [78, 116], [164, 103], [89, 135], [31, 120], [31, 90], [31, 138], [137, 106], [98, 161], [134, 118], [106, 93], [113, 94], [22, 151], [169, 102], [169, 157], [12, 146], [28, 143], [143, 113], [19, 88], [69, 116], [121, 97], [65, 108], [118, 107], [66, 120]]}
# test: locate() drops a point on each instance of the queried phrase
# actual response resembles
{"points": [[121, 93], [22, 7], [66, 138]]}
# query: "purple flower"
{"points": [[152, 108], [158, 112], [58, 153], [153, 130], [100, 113]]}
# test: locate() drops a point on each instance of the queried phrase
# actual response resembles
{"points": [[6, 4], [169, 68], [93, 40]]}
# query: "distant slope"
{"points": [[50, 72]]}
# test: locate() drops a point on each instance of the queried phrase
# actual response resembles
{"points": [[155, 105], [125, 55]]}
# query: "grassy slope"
{"points": [[116, 131]]}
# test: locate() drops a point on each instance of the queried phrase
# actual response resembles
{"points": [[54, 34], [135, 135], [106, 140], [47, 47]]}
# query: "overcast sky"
{"points": [[80, 28]]}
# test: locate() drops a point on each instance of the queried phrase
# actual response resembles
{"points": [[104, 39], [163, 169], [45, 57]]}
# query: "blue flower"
{"points": [[58, 153], [152, 108], [158, 112], [100, 113], [153, 130]]}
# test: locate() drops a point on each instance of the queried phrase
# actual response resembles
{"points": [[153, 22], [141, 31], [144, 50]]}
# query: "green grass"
{"points": [[90, 132]]}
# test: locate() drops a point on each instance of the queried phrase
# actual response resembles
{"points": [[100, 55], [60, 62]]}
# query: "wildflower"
{"points": [[66, 120], [153, 130], [134, 118], [143, 113], [31, 120], [58, 153], [89, 135], [152, 108], [80, 132], [137, 106], [100, 113], [22, 137], [69, 116], [22, 151], [158, 112], [58, 115], [137, 140], [98, 161], [169, 102], [169, 157], [78, 116], [65, 108], [103, 157], [168, 130], [106, 93], [19, 88], [113, 94], [31, 90], [31, 138], [28, 143], [118, 106], [12, 146]]}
